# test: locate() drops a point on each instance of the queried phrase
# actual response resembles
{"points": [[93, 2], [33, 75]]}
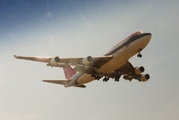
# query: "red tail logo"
{"points": [[69, 72]]}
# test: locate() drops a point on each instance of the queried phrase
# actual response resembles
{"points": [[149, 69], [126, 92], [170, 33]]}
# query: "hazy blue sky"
{"points": [[78, 28]]}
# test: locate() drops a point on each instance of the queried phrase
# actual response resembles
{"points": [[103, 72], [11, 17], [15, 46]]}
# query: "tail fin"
{"points": [[69, 72]]}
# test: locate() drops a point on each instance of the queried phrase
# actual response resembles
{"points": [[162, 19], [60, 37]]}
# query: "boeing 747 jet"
{"points": [[114, 64]]}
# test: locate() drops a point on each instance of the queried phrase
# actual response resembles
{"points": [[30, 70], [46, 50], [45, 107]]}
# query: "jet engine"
{"points": [[87, 60], [144, 77], [55, 61], [139, 70]]}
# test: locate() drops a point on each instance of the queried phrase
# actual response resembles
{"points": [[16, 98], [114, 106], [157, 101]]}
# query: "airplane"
{"points": [[114, 64]]}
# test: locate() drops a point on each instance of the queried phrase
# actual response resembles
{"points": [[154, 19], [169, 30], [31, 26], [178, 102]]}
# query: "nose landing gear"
{"points": [[139, 54]]}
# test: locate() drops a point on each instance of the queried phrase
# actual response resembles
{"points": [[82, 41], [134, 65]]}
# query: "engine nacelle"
{"points": [[139, 70], [55, 61], [144, 77], [87, 60]]}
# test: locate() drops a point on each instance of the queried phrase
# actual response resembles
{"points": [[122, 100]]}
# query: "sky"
{"points": [[79, 28]]}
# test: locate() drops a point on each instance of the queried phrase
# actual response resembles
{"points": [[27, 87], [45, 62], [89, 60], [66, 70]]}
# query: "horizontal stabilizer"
{"points": [[63, 82]]}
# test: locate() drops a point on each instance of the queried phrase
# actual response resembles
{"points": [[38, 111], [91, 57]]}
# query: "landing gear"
{"points": [[106, 78], [139, 54], [95, 74], [98, 76], [117, 78]]}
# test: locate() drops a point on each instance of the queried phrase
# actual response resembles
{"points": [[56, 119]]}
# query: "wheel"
{"points": [[117, 79], [97, 77], [139, 55], [106, 78]]}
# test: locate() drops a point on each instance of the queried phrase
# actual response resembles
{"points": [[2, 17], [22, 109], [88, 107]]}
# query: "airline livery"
{"points": [[114, 64]]}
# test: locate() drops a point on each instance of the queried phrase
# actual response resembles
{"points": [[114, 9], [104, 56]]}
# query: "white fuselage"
{"points": [[120, 57]]}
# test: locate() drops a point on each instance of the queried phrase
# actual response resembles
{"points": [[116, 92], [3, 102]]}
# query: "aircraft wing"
{"points": [[127, 68], [129, 72], [96, 61], [38, 59], [60, 62]]}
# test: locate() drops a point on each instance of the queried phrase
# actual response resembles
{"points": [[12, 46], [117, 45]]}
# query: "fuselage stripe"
{"points": [[126, 42]]}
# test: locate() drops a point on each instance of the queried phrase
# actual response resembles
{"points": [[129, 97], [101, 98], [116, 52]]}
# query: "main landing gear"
{"points": [[117, 78], [139, 54], [106, 78], [95, 75], [98, 76]]}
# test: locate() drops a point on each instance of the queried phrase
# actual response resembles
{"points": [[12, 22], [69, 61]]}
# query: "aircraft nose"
{"points": [[147, 34], [147, 37]]}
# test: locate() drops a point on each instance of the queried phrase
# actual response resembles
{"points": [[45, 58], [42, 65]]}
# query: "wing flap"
{"points": [[75, 61]]}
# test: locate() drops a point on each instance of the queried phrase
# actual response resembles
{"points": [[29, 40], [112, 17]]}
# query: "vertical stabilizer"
{"points": [[69, 72]]}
